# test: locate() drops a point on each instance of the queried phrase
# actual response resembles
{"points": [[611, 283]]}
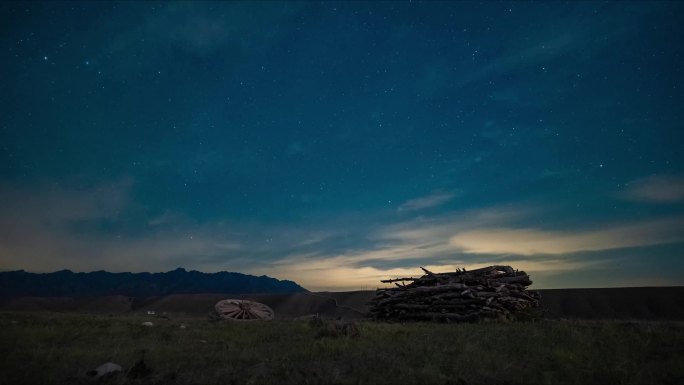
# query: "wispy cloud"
{"points": [[530, 55], [436, 228], [560, 38], [194, 29], [535, 241], [656, 189], [435, 199]]}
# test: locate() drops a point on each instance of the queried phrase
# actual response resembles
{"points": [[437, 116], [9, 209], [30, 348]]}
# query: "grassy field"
{"points": [[53, 348]]}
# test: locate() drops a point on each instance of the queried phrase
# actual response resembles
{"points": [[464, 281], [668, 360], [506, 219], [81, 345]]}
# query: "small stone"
{"points": [[104, 369]]}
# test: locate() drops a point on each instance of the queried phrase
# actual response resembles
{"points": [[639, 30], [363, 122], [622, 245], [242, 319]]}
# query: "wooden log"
{"points": [[436, 289], [487, 269], [399, 280], [524, 279], [519, 294], [411, 306]]}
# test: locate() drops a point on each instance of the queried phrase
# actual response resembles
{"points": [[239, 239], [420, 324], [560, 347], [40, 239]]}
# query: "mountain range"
{"points": [[65, 283]]}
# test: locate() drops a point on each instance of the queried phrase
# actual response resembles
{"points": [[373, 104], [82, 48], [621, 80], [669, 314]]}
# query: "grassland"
{"points": [[52, 348]]}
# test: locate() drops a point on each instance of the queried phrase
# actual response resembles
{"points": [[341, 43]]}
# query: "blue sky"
{"points": [[337, 144]]}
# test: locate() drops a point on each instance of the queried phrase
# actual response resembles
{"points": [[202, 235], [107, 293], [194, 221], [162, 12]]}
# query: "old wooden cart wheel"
{"points": [[243, 310]]}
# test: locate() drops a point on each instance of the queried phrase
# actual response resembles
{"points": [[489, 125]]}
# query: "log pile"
{"points": [[493, 292]]}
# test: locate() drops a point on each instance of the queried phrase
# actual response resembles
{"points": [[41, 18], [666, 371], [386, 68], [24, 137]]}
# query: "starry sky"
{"points": [[337, 144]]}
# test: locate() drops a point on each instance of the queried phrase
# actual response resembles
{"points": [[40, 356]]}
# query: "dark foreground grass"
{"points": [[61, 348]]}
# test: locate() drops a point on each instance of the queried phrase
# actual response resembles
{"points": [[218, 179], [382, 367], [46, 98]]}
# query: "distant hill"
{"points": [[65, 283]]}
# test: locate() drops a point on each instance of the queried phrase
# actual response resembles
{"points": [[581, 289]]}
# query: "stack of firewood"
{"points": [[491, 292]]}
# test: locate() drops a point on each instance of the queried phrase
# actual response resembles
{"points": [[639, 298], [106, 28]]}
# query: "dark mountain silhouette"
{"points": [[65, 283]]}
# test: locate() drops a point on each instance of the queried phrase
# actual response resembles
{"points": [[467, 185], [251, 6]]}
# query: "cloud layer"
{"points": [[535, 241], [656, 189], [433, 200], [90, 228]]}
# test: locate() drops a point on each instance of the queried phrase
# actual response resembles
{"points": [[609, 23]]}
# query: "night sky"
{"points": [[337, 144]]}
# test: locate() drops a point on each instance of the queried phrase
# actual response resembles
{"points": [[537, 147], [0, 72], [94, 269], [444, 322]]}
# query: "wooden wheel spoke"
{"points": [[231, 313], [243, 310]]}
